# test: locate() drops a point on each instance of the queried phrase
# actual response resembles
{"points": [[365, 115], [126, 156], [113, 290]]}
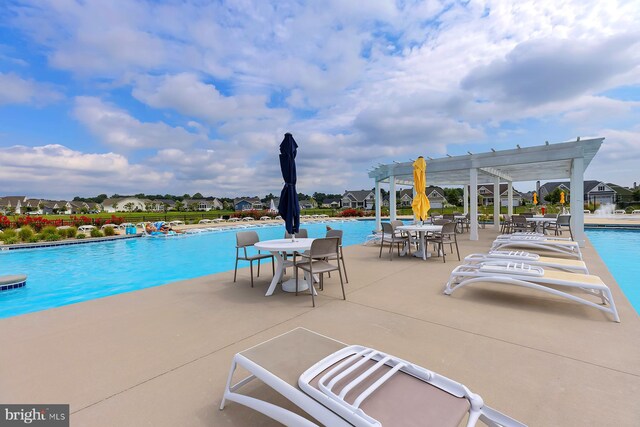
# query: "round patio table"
{"points": [[422, 229], [541, 221], [279, 248]]}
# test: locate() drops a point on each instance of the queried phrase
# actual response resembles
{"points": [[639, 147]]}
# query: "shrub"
{"points": [[49, 230], [80, 236], [26, 233], [34, 239], [96, 233], [9, 233], [109, 231], [51, 237], [71, 232], [10, 240]]}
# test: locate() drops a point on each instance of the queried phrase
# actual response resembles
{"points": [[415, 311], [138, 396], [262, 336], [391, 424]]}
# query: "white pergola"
{"points": [[546, 162]]}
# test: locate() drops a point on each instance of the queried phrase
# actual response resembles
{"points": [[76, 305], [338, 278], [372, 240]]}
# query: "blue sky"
{"points": [[184, 97]]}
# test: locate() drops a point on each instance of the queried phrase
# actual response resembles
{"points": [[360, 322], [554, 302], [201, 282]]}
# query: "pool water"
{"points": [[619, 249], [69, 274]]}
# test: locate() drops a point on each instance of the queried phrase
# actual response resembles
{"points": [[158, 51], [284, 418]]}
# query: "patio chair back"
{"points": [[324, 248], [449, 217], [442, 221], [448, 229], [302, 233], [396, 223], [387, 229], [335, 233], [550, 215], [527, 214], [246, 238], [564, 220]]}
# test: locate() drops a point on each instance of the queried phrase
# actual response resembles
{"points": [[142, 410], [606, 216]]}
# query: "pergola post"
{"points": [[392, 197], [378, 207], [577, 200], [473, 183], [496, 203], [510, 198], [466, 199]]}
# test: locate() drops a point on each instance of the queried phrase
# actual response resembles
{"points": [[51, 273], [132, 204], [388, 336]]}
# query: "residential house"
{"points": [[486, 191], [308, 204], [12, 204], [333, 203], [358, 199], [159, 205], [594, 191], [247, 204], [126, 204], [203, 204], [436, 196], [404, 198]]}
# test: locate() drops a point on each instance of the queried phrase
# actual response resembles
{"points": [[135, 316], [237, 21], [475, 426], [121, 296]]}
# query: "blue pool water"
{"points": [[619, 249], [70, 274]]}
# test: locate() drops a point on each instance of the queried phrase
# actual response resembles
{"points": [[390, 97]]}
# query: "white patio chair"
{"points": [[340, 385], [534, 277]]}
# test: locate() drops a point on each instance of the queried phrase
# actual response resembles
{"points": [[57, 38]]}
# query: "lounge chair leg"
{"points": [[235, 271], [228, 386], [381, 245], [251, 268], [258, 275], [273, 266], [296, 276]]}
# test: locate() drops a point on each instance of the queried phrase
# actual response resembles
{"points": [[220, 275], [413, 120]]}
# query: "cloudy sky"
{"points": [[179, 97]]}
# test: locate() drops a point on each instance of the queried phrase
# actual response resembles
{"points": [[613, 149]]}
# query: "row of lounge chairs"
{"points": [[508, 263]]}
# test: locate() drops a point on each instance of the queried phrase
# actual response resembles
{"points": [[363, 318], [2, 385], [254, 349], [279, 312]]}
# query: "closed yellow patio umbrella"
{"points": [[562, 197], [535, 198], [420, 204]]}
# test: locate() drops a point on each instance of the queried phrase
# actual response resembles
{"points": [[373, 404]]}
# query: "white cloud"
{"points": [[116, 128], [355, 85], [57, 171], [186, 94], [16, 90]]}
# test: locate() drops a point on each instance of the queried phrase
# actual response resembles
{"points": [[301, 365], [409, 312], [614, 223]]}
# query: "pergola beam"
{"points": [[497, 173]]}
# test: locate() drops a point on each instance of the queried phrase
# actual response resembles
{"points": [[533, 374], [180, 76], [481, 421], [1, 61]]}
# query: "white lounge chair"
{"points": [[537, 243], [114, 226], [534, 277], [204, 221], [265, 218], [340, 385], [619, 212], [635, 212], [176, 223], [570, 265], [86, 228], [233, 219]]}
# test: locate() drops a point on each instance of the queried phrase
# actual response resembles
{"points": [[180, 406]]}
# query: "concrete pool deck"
{"points": [[160, 356]]}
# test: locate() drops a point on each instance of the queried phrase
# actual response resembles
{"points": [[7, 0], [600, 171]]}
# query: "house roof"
{"points": [[621, 191], [246, 199], [358, 195], [12, 200], [331, 200], [169, 202], [550, 187]]}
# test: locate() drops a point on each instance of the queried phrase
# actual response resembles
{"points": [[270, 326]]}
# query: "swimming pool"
{"points": [[69, 274], [619, 249]]}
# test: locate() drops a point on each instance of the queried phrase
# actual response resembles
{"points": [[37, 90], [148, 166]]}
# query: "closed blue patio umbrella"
{"points": [[289, 207]]}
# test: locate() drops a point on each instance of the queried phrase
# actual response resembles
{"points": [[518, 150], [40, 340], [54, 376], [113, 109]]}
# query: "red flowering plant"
{"points": [[36, 222], [4, 222], [117, 220], [351, 212]]}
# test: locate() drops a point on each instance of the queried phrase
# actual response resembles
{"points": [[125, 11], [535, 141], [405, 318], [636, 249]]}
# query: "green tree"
{"points": [[198, 196], [193, 206], [554, 196], [129, 206], [179, 206]]}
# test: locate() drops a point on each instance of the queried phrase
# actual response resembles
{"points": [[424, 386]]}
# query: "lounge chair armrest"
{"points": [[491, 417]]}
